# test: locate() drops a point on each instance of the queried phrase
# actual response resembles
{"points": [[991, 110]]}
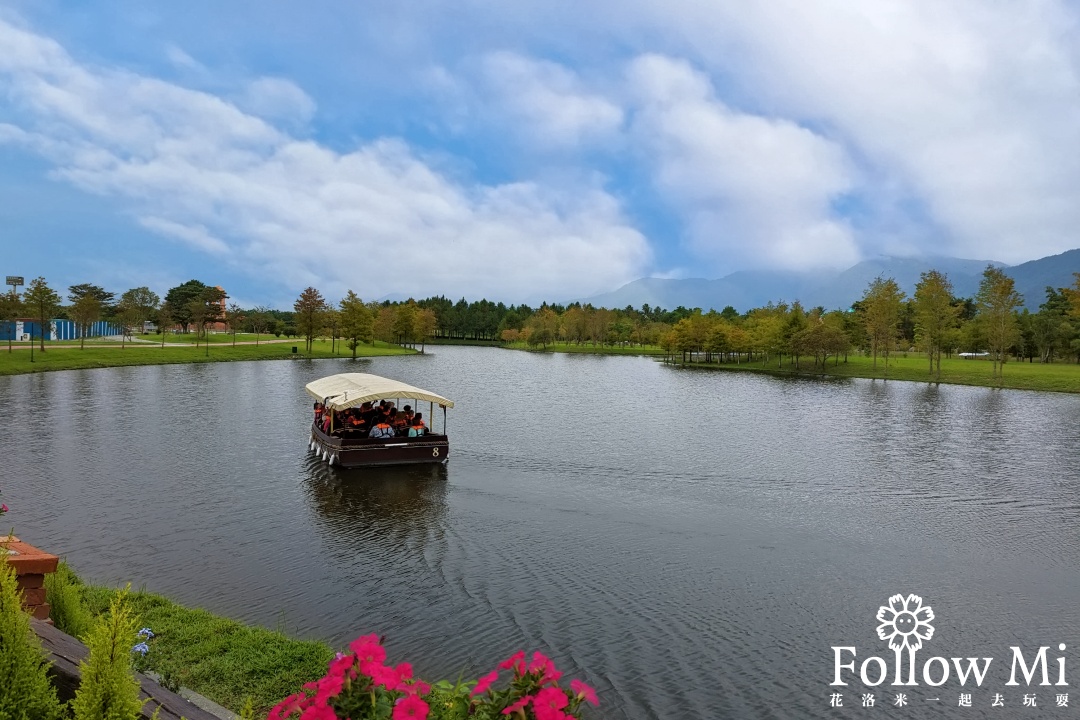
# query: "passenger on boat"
{"points": [[417, 428], [398, 421], [318, 411], [382, 430], [407, 410]]}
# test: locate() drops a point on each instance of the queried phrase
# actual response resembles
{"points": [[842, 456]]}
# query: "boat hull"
{"points": [[367, 452]]}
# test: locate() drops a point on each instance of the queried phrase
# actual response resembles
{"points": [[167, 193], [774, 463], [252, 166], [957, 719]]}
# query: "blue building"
{"points": [[59, 330]]}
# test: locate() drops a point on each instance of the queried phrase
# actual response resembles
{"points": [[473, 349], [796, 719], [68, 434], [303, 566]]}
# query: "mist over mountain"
{"points": [[836, 290]]}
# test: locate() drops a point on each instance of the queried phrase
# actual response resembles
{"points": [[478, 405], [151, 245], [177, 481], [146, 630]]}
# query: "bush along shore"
{"points": [[263, 673]]}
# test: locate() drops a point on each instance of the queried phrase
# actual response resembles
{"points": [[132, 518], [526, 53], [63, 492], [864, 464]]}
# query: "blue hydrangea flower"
{"points": [[142, 648], [146, 633]]}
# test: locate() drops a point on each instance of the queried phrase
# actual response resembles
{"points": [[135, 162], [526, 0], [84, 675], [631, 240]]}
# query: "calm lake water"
{"points": [[691, 543]]}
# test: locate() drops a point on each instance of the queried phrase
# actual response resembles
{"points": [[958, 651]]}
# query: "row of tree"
{"points": [[881, 322]]}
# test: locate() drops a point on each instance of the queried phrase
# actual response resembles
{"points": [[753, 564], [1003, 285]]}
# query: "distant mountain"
{"points": [[749, 289]]}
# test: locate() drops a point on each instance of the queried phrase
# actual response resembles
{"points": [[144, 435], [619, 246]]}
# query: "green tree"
{"points": [[309, 308], [935, 314], [426, 323], [235, 317], [108, 689], [85, 312], [11, 307], [43, 301], [405, 323], [128, 317], [26, 692], [260, 319], [881, 306], [142, 303], [207, 308], [997, 300], [106, 298], [357, 321], [180, 298], [166, 319]]}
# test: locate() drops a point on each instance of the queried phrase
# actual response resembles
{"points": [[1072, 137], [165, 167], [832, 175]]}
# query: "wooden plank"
{"points": [[65, 653]]}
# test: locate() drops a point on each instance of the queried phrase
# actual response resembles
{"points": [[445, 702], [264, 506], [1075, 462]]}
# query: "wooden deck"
{"points": [[65, 653]]}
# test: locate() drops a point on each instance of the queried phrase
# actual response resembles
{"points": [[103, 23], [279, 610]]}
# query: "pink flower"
{"points": [[340, 664], [381, 675], [484, 683], [514, 707], [516, 661], [319, 713], [330, 686], [410, 707], [286, 707], [368, 649], [548, 704], [3, 508], [539, 661], [584, 692], [404, 670]]}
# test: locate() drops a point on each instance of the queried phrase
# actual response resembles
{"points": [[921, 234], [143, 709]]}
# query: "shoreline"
{"points": [[63, 357]]}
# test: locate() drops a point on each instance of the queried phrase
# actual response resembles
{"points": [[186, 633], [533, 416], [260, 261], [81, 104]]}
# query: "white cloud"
{"points": [[277, 99], [377, 219], [973, 108], [754, 190], [546, 103]]}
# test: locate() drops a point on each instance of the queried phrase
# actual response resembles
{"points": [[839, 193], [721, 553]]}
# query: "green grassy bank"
{"points": [[1051, 377], [74, 358], [224, 660]]}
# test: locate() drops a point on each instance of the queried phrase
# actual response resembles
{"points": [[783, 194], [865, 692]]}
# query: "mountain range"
{"points": [[745, 290]]}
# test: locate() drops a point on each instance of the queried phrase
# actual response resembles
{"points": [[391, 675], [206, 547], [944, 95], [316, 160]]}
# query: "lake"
{"points": [[692, 543]]}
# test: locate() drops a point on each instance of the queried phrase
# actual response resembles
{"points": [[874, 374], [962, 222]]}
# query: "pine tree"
{"points": [[26, 693], [109, 690]]}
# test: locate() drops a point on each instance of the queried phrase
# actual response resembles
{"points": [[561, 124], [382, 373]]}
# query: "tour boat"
{"points": [[349, 448]]}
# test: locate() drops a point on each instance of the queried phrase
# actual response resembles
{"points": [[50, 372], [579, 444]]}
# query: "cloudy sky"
{"points": [[525, 151]]}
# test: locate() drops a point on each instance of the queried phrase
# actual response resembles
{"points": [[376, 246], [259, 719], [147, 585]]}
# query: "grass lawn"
{"points": [[590, 349], [1052, 377], [227, 661], [73, 358]]}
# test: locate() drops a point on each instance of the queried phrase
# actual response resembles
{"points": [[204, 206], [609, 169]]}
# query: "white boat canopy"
{"points": [[352, 389]]}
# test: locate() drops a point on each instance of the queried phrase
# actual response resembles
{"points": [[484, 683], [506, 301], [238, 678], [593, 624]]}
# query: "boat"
{"points": [[351, 448]]}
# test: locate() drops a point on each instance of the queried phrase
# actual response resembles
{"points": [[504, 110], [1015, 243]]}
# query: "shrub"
{"points": [[108, 689], [26, 692], [68, 612]]}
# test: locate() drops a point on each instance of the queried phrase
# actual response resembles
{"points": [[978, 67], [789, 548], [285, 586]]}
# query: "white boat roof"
{"points": [[348, 390]]}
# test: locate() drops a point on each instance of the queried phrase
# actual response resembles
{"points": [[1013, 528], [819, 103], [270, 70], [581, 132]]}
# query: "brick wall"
{"points": [[31, 566]]}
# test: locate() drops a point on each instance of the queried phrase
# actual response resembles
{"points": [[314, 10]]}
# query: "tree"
{"points": [[997, 300], [85, 312], [260, 319], [207, 308], [127, 314], [180, 298], [107, 299], [43, 301], [881, 314], [11, 307], [426, 323], [405, 323], [357, 322], [935, 314], [234, 316], [166, 318], [309, 308], [143, 303]]}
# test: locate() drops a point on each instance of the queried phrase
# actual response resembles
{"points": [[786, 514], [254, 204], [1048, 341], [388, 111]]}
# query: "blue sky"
{"points": [[525, 151]]}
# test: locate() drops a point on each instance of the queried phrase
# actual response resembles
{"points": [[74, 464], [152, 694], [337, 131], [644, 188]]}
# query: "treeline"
{"points": [[882, 322]]}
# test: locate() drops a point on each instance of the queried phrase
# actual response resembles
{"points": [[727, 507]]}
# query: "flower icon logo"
{"points": [[905, 622]]}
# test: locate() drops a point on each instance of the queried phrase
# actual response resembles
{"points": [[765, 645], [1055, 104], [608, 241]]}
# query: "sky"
{"points": [[527, 151]]}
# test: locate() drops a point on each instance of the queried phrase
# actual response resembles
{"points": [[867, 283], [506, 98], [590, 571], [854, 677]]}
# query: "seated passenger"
{"points": [[407, 410], [318, 411], [382, 430], [398, 422], [417, 428]]}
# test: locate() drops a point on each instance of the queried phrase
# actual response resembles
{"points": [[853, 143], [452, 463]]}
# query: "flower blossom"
{"points": [[515, 662], [515, 706], [584, 692], [484, 683], [410, 707], [142, 648], [548, 704], [146, 633]]}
